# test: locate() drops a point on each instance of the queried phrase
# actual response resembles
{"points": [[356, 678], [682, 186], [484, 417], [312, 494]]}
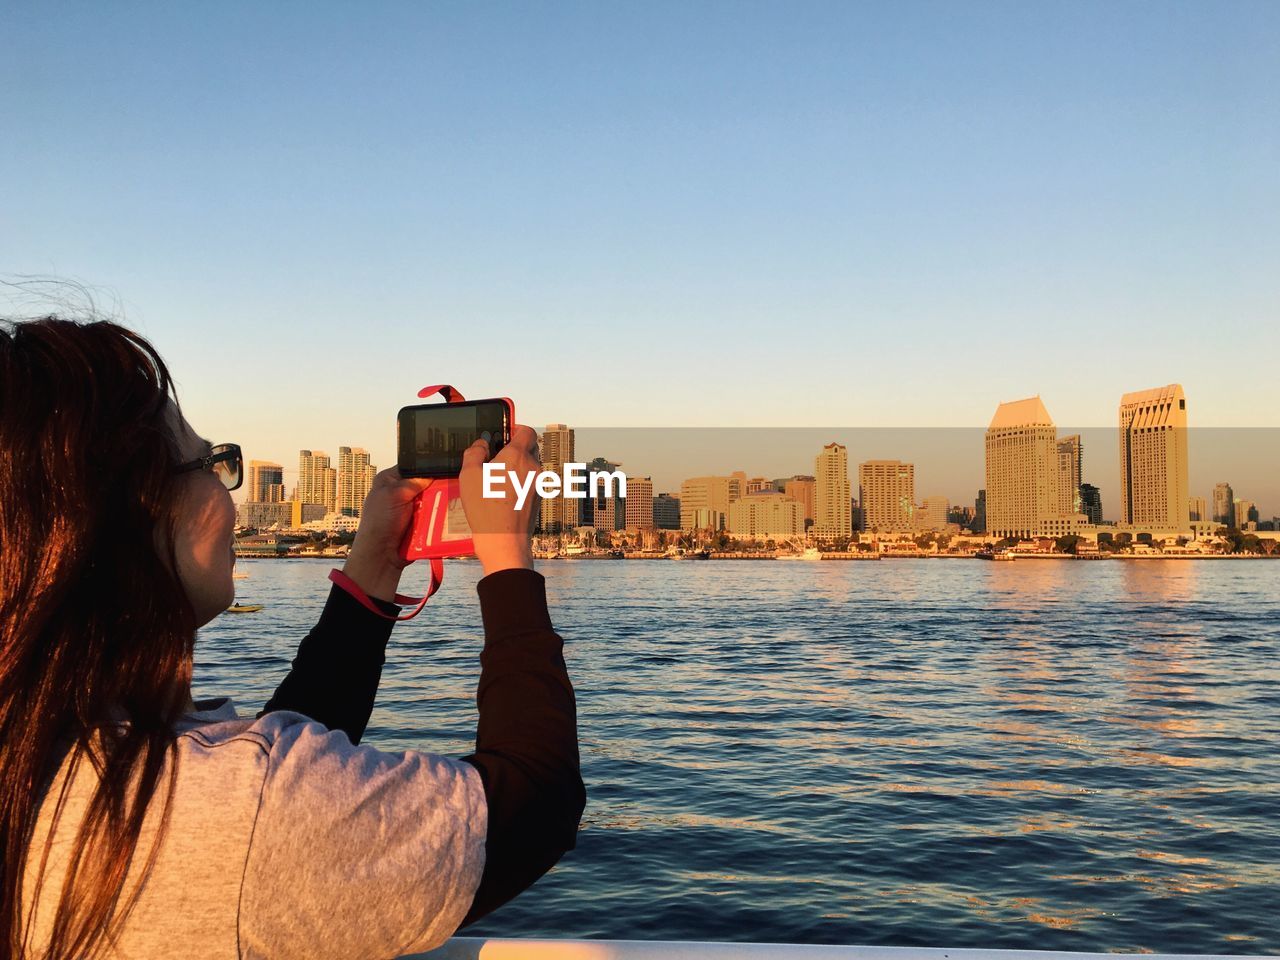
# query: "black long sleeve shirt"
{"points": [[526, 737]]}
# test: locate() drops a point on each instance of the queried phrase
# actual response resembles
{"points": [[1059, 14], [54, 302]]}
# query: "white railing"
{"points": [[478, 948]]}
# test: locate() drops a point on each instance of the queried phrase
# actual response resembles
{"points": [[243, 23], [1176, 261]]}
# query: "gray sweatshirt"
{"points": [[262, 856]]}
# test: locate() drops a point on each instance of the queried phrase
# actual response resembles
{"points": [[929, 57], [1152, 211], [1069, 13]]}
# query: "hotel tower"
{"points": [[556, 447], [1022, 471], [887, 495], [833, 513], [1153, 458]]}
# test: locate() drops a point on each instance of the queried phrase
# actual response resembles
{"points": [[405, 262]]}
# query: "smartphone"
{"points": [[431, 437]]}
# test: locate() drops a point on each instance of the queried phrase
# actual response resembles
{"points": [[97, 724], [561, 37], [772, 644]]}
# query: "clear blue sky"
{"points": [[692, 214]]}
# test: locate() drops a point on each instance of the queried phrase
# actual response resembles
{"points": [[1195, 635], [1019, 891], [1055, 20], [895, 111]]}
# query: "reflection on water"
{"points": [[1039, 755]]}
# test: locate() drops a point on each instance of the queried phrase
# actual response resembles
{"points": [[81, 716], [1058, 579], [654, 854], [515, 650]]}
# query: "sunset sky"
{"points": [[695, 215]]}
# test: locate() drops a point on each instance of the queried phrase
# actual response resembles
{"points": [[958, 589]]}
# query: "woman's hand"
{"points": [[501, 532], [374, 561]]}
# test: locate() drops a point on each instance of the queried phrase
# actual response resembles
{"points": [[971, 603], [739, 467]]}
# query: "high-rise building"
{"points": [[933, 513], [1153, 457], [887, 495], [759, 485], [765, 514], [556, 446], [1224, 505], [666, 512], [1070, 467], [639, 503], [832, 507], [317, 480], [1091, 503], [1198, 510], [704, 501], [266, 482], [979, 524], [1246, 515], [804, 490], [1022, 470], [355, 480]]}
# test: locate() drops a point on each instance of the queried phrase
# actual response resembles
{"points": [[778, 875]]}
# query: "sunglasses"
{"points": [[224, 461]]}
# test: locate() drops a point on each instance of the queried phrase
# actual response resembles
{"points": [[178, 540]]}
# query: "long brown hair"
{"points": [[95, 627]]}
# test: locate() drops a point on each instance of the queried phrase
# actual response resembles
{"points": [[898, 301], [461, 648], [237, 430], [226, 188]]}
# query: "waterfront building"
{"points": [[1091, 503], [1224, 509], [639, 503], [355, 479], [1246, 517], [666, 512], [887, 495], [804, 490], [317, 480], [556, 445], [705, 501], [979, 524], [262, 515], [1070, 468], [1198, 510], [265, 482], [1153, 458], [933, 514], [304, 513], [765, 515], [832, 509], [1021, 469]]}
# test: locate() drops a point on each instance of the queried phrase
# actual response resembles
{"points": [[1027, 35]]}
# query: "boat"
{"points": [[809, 553], [244, 608], [239, 576], [994, 555]]}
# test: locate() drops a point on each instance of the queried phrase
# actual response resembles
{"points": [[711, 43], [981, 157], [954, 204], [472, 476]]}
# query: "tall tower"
{"points": [[556, 447], [355, 478], [1224, 505], [266, 482], [1022, 469], [1153, 458], [705, 501], [887, 495], [317, 480], [833, 510], [639, 503], [1070, 468]]}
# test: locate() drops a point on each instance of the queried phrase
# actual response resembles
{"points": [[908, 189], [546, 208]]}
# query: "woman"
{"points": [[136, 823]]}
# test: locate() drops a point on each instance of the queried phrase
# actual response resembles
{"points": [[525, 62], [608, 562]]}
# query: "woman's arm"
{"points": [[336, 671], [526, 740]]}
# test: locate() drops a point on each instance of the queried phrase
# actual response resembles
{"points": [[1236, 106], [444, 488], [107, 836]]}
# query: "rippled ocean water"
{"points": [[1038, 755]]}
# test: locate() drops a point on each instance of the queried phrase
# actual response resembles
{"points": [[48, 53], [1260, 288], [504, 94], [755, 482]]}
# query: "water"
{"points": [[1037, 755]]}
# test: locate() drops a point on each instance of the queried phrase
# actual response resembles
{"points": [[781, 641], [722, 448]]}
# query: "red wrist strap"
{"points": [[353, 588]]}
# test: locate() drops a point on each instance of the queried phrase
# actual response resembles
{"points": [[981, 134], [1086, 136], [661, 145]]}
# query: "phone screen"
{"points": [[432, 437]]}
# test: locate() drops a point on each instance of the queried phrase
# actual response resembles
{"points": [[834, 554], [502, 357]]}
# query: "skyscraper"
{"points": [[833, 508], [1153, 457], [933, 513], [1224, 505], [887, 495], [355, 479], [666, 512], [1091, 503], [1070, 468], [1199, 510], [804, 490], [556, 446], [317, 480], [639, 503], [704, 501], [979, 524], [1022, 470], [266, 482]]}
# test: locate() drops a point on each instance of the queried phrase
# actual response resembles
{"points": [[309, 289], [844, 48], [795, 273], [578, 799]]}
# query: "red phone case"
{"points": [[439, 528]]}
